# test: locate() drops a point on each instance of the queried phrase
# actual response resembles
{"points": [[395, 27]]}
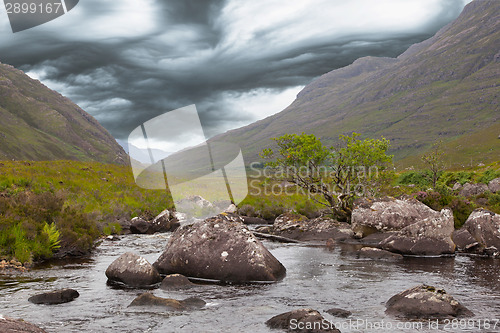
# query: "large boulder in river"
{"points": [[429, 237], [220, 250], [9, 325], [471, 190], [298, 227], [425, 303], [484, 226], [302, 321], [55, 297], [133, 271], [387, 214]]}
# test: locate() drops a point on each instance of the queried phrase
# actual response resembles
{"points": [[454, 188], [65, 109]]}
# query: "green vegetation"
{"points": [[268, 198], [64, 206], [338, 174], [420, 185]]}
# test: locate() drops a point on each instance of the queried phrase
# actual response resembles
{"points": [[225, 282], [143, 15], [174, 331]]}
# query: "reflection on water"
{"points": [[316, 277]]}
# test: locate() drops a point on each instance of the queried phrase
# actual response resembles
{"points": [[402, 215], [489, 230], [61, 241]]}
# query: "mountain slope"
{"points": [[444, 88], [40, 124]]}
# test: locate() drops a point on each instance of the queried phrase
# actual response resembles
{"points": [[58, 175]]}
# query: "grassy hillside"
{"points": [[445, 88], [40, 124], [83, 201]]}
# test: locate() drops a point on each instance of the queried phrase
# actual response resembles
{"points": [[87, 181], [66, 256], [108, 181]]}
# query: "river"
{"points": [[317, 278]]}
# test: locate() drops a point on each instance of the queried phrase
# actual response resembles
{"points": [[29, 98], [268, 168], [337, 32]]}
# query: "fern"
{"points": [[53, 234]]}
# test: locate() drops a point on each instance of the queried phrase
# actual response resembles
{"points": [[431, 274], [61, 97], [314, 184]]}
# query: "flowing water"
{"points": [[317, 278]]}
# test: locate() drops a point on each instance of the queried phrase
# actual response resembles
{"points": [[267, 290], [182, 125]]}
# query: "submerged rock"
{"points": [[340, 313], [148, 299], [298, 227], [484, 226], [132, 270], [429, 237], [387, 214], [9, 325], [55, 297], [176, 281], [426, 302], [374, 253], [302, 320], [220, 250]]}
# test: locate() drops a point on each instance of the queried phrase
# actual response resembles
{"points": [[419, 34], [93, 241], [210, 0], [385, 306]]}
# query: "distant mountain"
{"points": [[445, 88], [140, 154], [37, 123]]}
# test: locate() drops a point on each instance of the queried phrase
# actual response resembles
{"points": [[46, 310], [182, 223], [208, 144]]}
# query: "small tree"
{"points": [[337, 174], [434, 161]]}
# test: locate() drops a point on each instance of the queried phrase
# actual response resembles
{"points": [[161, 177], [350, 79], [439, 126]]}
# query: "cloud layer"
{"points": [[127, 61]]}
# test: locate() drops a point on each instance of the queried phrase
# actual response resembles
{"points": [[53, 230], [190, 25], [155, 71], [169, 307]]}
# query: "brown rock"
{"points": [[139, 226], [9, 325], [301, 320], [176, 281], [55, 297], [148, 299], [132, 270], [425, 303]]}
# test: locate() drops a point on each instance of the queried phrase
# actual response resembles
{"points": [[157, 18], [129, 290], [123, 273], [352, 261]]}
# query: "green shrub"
{"points": [[271, 212], [465, 176], [247, 210], [307, 208], [419, 178], [461, 208], [112, 229], [488, 176]]}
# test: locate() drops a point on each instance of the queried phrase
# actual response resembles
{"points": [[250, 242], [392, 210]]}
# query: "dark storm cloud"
{"points": [[126, 63]]}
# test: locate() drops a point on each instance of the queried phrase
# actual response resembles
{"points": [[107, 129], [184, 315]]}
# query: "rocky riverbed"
{"points": [[317, 278], [361, 278]]}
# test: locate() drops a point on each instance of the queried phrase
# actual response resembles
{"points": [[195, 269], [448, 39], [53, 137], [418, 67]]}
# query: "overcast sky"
{"points": [[128, 61]]}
